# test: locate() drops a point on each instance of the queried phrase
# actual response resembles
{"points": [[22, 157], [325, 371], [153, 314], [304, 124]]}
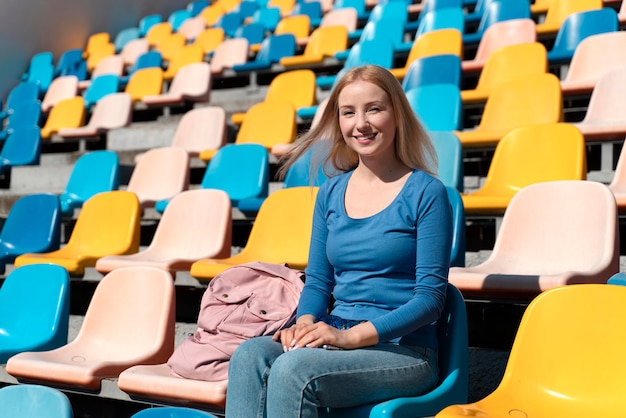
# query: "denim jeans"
{"points": [[264, 381]]}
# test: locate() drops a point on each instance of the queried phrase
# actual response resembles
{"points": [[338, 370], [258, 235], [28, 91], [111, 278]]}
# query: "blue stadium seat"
{"points": [[273, 48], [438, 106], [124, 36], [498, 11], [40, 213], [433, 69], [94, 172], [196, 6], [35, 401], [24, 91], [71, 62], [254, 32], [177, 17], [26, 113], [172, 412], [22, 147], [311, 8], [450, 155], [146, 22], [99, 87], [40, 71], [34, 311]]}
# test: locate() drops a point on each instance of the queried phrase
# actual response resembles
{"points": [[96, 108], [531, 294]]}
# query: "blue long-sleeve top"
{"points": [[390, 268]]}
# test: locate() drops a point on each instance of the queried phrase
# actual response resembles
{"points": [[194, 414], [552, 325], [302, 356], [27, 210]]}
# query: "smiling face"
{"points": [[367, 119]]}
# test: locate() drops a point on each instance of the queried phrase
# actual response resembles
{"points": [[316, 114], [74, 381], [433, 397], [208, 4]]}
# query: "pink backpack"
{"points": [[242, 302]]}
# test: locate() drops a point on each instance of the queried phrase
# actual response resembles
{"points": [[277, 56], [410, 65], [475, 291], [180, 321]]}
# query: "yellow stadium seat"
{"points": [[68, 113], [323, 43], [559, 10], [145, 82]]}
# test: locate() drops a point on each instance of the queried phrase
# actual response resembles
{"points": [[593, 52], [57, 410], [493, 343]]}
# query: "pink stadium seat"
{"points": [[191, 84]]}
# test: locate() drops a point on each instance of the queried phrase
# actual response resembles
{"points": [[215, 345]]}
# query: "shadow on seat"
{"points": [[40, 215], [29, 400], [552, 234], [34, 310], [176, 242], [528, 155], [453, 382], [280, 234], [108, 342], [113, 217], [544, 375], [93, 172]]}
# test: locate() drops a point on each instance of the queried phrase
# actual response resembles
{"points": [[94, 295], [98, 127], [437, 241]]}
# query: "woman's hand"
{"points": [[312, 335]]}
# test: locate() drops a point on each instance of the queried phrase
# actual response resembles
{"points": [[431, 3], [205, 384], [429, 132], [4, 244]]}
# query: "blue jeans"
{"points": [[264, 381]]}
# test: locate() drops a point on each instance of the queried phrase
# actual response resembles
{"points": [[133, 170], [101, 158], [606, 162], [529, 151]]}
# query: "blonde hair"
{"points": [[412, 144]]}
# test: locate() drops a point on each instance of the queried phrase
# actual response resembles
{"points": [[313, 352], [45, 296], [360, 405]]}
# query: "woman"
{"points": [[379, 253]]}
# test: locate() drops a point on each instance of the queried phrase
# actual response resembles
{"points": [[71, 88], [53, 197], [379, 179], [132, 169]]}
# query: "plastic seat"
{"points": [[40, 215], [176, 243], [240, 170], [446, 18], [24, 91], [559, 10], [280, 234], [34, 310], [195, 7], [296, 86], [594, 56], [384, 30], [604, 118], [267, 123], [189, 54], [347, 16], [144, 82], [68, 113], [160, 174], [324, 42], [522, 101], [177, 17], [172, 412], [40, 71], [285, 6], [267, 16], [254, 32], [150, 59], [540, 380], [97, 52], [505, 64], [191, 84], [171, 45], [133, 50], [450, 154], [29, 400], [437, 42], [200, 129], [71, 62], [273, 48], [311, 9], [100, 86], [229, 53], [93, 172], [297, 25], [192, 27], [108, 342], [158, 32], [578, 26], [497, 11], [114, 217], [124, 36], [23, 114], [617, 185], [498, 35], [433, 69], [437, 106], [358, 5], [210, 39], [247, 8], [111, 65], [22, 147], [230, 21], [146, 22], [212, 14], [528, 155], [453, 371], [61, 88]]}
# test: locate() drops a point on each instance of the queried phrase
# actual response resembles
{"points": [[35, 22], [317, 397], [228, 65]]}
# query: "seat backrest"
{"points": [[299, 173], [145, 82], [268, 124], [559, 10], [241, 170], [41, 70], [501, 11], [24, 113], [450, 155], [146, 22], [433, 69], [149, 59], [457, 251], [132, 50], [93, 172], [230, 21], [274, 47], [113, 64], [447, 18], [512, 61], [171, 46], [536, 153], [22, 147], [254, 32], [112, 216], [196, 6], [606, 104], [124, 36], [436, 42], [24, 91], [268, 16], [579, 25], [200, 129], [99, 87], [71, 62], [282, 229], [158, 32], [230, 52], [539, 376], [298, 25], [112, 111], [177, 17], [192, 82], [438, 106], [347, 16], [188, 212], [327, 40], [160, 174], [67, 113], [145, 294], [40, 215], [595, 55], [34, 310], [209, 39], [394, 9], [297, 86], [504, 33], [189, 54], [29, 400], [192, 27], [172, 412], [522, 101]]}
